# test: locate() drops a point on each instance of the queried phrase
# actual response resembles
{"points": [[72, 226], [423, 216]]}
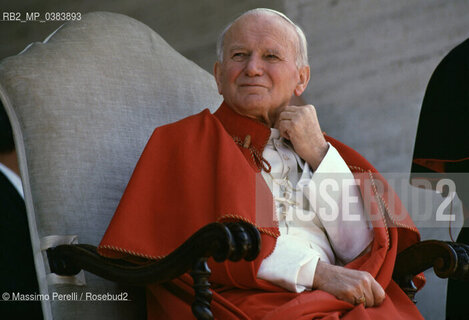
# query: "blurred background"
{"points": [[370, 64]]}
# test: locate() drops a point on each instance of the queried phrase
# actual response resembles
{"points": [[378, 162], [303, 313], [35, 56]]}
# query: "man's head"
{"points": [[262, 63], [7, 144]]}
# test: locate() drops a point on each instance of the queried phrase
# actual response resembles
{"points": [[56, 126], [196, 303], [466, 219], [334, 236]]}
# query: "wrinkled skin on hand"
{"points": [[348, 284], [300, 125]]}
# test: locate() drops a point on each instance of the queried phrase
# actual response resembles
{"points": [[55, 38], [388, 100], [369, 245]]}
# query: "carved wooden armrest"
{"points": [[448, 259], [233, 241]]}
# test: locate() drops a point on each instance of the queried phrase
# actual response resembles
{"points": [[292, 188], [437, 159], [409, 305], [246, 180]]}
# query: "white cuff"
{"points": [[291, 265], [306, 274]]}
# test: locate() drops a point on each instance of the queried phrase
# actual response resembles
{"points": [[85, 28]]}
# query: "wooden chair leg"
{"points": [[203, 295]]}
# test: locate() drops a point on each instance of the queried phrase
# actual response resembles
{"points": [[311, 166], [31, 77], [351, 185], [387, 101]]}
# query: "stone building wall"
{"points": [[370, 63]]}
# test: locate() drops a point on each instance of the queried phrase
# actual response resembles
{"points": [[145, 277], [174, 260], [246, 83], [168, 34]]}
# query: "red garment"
{"points": [[192, 173]]}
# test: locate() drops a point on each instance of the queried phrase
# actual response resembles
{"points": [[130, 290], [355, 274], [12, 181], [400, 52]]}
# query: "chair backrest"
{"points": [[83, 103]]}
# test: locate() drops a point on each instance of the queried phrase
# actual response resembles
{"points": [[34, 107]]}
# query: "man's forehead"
{"points": [[268, 48], [269, 22], [269, 29]]}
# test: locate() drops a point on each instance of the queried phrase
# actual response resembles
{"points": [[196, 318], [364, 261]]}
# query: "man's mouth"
{"points": [[254, 85]]}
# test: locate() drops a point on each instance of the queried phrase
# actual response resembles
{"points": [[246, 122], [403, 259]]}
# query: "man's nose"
{"points": [[254, 66]]}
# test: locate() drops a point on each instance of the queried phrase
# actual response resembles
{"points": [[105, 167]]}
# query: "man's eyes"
{"points": [[272, 57], [241, 56]]}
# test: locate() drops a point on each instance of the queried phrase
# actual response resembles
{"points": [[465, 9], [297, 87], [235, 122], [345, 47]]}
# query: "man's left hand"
{"points": [[300, 125]]}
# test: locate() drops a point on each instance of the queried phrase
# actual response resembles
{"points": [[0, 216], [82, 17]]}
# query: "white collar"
{"points": [[274, 133], [13, 177]]}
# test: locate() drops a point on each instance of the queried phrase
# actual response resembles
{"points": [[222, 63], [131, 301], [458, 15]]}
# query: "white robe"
{"points": [[327, 224]]}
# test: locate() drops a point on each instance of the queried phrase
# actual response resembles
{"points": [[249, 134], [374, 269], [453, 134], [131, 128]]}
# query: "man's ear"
{"points": [[303, 80], [217, 74]]}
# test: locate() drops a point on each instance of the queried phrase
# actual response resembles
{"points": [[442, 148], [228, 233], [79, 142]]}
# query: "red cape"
{"points": [[197, 171]]}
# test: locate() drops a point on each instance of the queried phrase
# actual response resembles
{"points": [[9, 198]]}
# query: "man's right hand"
{"points": [[348, 285]]}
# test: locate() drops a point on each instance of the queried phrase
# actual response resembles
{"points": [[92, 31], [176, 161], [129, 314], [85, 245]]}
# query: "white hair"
{"points": [[302, 45]]}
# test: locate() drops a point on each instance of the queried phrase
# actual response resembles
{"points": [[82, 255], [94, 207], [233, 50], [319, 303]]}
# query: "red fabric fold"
{"points": [[192, 173]]}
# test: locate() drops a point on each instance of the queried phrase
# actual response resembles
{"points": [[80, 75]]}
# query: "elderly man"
{"points": [[255, 150]]}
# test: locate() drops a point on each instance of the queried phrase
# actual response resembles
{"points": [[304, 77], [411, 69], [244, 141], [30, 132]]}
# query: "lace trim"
{"points": [[380, 204], [151, 257], [266, 231], [384, 206], [256, 156], [129, 252]]}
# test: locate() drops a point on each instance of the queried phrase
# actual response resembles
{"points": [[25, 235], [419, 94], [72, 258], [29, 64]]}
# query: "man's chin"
{"points": [[252, 107], [257, 109], [255, 101]]}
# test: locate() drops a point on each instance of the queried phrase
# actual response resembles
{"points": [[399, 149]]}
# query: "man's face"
{"points": [[258, 75]]}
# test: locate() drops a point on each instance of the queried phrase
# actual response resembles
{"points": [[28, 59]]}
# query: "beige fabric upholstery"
{"points": [[82, 106]]}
